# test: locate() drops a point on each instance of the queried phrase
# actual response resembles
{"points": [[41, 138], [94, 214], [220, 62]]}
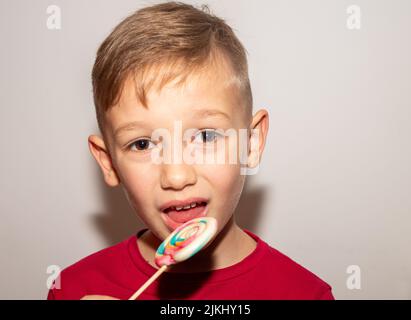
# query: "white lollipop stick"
{"points": [[148, 282]]}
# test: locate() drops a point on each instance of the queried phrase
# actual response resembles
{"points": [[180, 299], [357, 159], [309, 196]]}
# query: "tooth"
{"points": [[179, 208], [187, 207], [193, 205]]}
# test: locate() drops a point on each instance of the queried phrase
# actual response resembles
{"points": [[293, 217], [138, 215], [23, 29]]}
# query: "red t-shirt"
{"points": [[120, 270]]}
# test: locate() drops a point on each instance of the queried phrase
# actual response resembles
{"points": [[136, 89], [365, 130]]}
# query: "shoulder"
{"points": [[296, 281], [75, 279]]}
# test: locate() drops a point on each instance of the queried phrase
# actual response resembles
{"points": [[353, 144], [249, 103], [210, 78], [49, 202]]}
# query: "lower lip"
{"points": [[184, 216]]}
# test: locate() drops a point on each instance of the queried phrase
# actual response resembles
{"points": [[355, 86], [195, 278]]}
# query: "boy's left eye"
{"points": [[207, 136]]}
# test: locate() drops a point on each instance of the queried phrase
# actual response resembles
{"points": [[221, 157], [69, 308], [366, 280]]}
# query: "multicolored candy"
{"points": [[186, 241]]}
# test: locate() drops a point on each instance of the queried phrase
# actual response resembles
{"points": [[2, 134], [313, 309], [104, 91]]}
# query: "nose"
{"points": [[177, 176]]}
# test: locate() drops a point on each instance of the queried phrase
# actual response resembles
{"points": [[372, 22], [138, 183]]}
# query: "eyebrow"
{"points": [[129, 126], [210, 113], [199, 113]]}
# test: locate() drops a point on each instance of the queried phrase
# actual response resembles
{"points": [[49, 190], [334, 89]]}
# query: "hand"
{"points": [[98, 297]]}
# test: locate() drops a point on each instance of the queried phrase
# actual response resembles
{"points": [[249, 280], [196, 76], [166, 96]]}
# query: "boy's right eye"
{"points": [[140, 144]]}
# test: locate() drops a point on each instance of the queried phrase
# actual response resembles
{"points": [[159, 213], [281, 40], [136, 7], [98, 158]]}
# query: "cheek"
{"points": [[227, 177], [132, 175], [227, 184]]}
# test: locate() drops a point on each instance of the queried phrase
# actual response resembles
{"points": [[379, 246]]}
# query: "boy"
{"points": [[172, 66]]}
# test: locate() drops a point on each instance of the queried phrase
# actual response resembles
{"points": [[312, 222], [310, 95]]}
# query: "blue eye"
{"points": [[140, 144], [207, 136]]}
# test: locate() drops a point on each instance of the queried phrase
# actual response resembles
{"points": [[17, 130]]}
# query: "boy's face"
{"points": [[205, 102]]}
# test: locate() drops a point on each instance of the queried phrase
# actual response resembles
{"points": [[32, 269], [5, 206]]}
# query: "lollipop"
{"points": [[186, 241], [180, 245]]}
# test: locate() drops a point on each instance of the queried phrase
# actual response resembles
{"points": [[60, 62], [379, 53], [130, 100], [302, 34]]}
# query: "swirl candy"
{"points": [[186, 241], [180, 245]]}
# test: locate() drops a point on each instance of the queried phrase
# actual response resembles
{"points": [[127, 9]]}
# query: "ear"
{"points": [[257, 138], [100, 152]]}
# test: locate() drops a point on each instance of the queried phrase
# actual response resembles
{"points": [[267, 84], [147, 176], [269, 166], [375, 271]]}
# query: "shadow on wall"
{"points": [[118, 221]]}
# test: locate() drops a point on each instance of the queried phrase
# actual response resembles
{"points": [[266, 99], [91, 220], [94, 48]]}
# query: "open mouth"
{"points": [[175, 216]]}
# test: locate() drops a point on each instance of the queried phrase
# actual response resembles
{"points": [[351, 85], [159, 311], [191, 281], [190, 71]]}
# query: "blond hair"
{"points": [[172, 34]]}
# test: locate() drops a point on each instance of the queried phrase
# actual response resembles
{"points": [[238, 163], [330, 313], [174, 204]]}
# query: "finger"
{"points": [[98, 297]]}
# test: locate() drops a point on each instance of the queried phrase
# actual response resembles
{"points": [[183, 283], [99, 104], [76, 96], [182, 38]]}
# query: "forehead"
{"points": [[215, 89]]}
